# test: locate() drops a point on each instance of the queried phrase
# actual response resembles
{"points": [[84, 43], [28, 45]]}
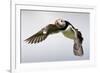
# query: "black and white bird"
{"points": [[66, 28]]}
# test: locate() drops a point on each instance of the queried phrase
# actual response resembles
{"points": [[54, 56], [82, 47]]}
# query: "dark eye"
{"points": [[61, 20]]}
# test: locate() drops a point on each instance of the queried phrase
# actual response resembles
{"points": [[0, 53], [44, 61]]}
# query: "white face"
{"points": [[61, 22]]}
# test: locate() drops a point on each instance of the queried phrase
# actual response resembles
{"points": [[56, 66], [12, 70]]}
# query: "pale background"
{"points": [[56, 47], [5, 36]]}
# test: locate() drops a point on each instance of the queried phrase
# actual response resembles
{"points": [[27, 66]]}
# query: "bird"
{"points": [[66, 28]]}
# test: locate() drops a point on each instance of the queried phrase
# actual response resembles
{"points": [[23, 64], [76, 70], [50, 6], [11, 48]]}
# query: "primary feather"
{"points": [[42, 34]]}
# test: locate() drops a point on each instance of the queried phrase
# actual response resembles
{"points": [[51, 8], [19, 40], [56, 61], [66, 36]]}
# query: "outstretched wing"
{"points": [[42, 34], [77, 48]]}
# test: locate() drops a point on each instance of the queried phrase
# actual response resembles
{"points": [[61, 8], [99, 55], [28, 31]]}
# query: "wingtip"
{"points": [[78, 52], [27, 41], [30, 42]]}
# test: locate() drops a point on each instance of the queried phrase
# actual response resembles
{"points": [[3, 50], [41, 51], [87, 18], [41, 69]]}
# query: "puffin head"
{"points": [[62, 24]]}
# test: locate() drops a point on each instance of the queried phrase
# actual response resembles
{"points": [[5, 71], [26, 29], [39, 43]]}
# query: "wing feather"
{"points": [[78, 49], [40, 36]]}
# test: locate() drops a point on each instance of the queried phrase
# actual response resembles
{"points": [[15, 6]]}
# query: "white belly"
{"points": [[69, 33]]}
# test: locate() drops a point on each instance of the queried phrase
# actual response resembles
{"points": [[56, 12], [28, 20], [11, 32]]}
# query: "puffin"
{"points": [[66, 28]]}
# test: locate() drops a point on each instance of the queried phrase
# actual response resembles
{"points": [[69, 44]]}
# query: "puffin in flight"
{"points": [[66, 28]]}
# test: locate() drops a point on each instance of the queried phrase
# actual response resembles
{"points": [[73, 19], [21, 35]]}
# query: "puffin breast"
{"points": [[69, 33]]}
